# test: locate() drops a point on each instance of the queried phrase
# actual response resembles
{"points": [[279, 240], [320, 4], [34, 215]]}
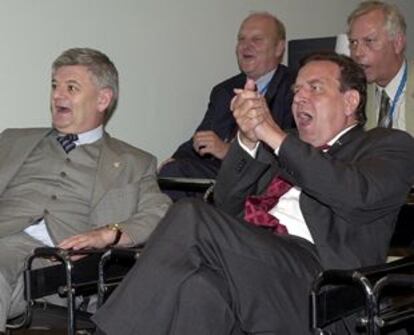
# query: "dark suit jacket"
{"points": [[219, 118], [350, 197]]}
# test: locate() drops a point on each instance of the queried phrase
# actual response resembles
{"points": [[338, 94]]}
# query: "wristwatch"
{"points": [[116, 228]]}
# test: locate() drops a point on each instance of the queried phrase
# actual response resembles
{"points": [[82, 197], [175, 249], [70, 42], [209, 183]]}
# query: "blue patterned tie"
{"points": [[67, 142]]}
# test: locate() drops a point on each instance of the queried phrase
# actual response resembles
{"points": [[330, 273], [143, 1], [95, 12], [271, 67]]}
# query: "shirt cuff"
{"points": [[276, 151], [251, 152]]}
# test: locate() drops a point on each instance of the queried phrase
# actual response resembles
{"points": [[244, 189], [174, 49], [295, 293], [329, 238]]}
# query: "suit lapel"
{"points": [[370, 107], [409, 103], [14, 151], [274, 84], [409, 100], [110, 166]]}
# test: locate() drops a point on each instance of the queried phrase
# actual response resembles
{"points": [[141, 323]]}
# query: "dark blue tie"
{"points": [[67, 142]]}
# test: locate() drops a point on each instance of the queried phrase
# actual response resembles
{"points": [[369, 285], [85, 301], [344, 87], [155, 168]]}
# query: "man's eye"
{"points": [[257, 39], [353, 44], [72, 88], [316, 88], [369, 42]]}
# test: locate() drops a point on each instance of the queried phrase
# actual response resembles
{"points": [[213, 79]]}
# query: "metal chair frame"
{"points": [[364, 289]]}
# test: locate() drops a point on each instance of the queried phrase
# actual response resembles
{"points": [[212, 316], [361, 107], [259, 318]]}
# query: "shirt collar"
{"points": [[262, 83], [392, 87], [340, 134], [90, 136]]}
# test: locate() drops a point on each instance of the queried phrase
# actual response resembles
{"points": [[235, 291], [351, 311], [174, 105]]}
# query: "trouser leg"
{"points": [[14, 250], [267, 277], [201, 301]]}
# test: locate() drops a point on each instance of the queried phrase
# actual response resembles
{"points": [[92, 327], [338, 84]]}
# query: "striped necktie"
{"points": [[67, 142], [384, 117]]}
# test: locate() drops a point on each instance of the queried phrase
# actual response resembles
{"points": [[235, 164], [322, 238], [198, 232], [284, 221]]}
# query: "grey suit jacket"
{"points": [[350, 197], [126, 189], [372, 118]]}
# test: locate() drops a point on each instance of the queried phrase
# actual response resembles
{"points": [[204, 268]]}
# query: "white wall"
{"points": [[169, 54]]}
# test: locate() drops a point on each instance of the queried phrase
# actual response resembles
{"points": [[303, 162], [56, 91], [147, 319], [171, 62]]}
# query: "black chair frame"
{"points": [[337, 294]]}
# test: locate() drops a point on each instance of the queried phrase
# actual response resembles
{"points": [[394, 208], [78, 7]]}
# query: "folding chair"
{"points": [[380, 297], [69, 279], [99, 272], [107, 279]]}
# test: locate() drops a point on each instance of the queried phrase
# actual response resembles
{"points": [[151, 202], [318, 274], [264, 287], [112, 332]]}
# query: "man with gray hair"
{"points": [[72, 186], [377, 35]]}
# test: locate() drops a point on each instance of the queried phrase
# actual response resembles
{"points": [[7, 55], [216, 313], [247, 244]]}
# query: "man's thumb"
{"points": [[250, 85]]}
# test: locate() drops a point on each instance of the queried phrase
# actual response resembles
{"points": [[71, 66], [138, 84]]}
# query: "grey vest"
{"points": [[55, 186]]}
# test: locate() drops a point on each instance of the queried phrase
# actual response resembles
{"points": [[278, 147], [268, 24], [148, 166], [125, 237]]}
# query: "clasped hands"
{"points": [[253, 118]]}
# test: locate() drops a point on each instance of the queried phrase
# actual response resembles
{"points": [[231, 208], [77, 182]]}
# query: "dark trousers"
{"points": [[205, 272]]}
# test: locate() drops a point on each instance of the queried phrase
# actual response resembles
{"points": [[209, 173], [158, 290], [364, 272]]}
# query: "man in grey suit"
{"points": [[72, 186], [206, 270], [377, 35]]}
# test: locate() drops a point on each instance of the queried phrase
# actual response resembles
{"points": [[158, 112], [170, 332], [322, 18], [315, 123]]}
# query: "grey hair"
{"points": [[394, 20]]}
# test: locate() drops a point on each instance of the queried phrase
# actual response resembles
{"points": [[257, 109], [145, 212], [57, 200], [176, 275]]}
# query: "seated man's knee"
{"points": [[171, 169], [188, 205]]}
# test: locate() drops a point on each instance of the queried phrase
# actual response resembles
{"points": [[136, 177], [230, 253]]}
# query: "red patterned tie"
{"points": [[257, 207]]}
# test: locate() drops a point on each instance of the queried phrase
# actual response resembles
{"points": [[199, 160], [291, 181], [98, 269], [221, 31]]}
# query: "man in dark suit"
{"points": [[72, 185], [206, 270], [260, 48]]}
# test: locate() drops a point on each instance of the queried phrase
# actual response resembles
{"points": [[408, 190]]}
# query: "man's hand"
{"points": [[254, 119], [207, 142], [245, 105], [97, 238]]}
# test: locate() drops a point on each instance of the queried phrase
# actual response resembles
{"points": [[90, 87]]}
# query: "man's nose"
{"points": [[57, 93], [300, 95], [245, 44]]}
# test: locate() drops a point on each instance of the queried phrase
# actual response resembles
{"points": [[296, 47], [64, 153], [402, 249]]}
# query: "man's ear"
{"points": [[352, 99], [280, 48], [399, 43], [104, 99]]}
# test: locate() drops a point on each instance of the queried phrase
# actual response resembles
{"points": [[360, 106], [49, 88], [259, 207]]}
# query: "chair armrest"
{"points": [[196, 185], [54, 278], [185, 184], [356, 289], [111, 276]]}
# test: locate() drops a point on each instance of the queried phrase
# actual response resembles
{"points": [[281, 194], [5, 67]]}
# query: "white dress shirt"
{"points": [[398, 118], [287, 210]]}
